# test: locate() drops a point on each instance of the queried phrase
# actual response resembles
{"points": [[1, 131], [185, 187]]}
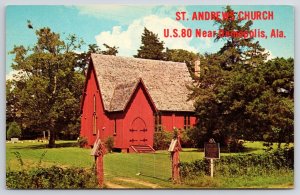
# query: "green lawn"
{"points": [[135, 170]]}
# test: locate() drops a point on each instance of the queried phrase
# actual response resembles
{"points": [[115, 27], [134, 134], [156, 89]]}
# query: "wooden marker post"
{"points": [[211, 152], [174, 149], [98, 152]]}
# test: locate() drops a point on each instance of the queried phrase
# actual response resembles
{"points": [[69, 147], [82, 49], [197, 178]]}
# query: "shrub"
{"points": [[82, 142], [52, 178], [235, 145], [14, 130], [162, 139], [185, 138], [109, 144], [237, 165]]}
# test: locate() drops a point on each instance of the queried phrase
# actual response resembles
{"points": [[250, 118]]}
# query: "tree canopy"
{"points": [[240, 95], [45, 94], [151, 48]]}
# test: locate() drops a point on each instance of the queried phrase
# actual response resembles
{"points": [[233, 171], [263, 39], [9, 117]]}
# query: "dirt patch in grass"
{"points": [[143, 183], [123, 183], [115, 186]]}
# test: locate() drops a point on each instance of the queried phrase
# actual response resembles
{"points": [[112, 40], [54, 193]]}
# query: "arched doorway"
{"points": [[138, 132]]}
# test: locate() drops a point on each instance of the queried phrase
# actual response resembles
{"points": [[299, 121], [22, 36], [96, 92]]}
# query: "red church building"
{"points": [[131, 98]]}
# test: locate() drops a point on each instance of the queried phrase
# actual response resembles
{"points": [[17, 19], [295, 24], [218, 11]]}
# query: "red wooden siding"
{"points": [[138, 123], [91, 90], [176, 119]]}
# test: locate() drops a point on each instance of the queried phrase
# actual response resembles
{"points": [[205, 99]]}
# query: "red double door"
{"points": [[138, 132]]}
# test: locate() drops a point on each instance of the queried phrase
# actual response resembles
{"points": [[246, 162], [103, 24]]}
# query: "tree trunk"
{"points": [[52, 138]]}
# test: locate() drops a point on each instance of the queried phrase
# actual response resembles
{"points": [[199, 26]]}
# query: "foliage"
{"points": [[235, 145], [14, 130], [238, 96], [45, 93], [109, 143], [237, 49], [48, 88], [162, 139], [186, 140], [110, 50], [181, 55], [51, 178], [250, 164], [151, 47], [274, 109], [82, 142]]}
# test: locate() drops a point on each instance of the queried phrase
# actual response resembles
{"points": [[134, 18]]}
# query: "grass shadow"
{"points": [[193, 150], [157, 178], [45, 146]]}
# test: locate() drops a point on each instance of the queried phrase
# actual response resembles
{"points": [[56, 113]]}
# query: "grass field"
{"points": [[136, 170]]}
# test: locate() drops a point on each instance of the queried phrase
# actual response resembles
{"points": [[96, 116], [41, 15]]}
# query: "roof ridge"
{"points": [[138, 59]]}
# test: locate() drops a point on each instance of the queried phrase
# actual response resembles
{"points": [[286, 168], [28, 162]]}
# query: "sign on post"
{"points": [[212, 151]]}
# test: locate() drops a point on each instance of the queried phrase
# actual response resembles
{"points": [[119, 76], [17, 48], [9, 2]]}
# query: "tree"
{"points": [[151, 47], [273, 111], [255, 103], [47, 91], [110, 50], [237, 49], [181, 55], [240, 95]]}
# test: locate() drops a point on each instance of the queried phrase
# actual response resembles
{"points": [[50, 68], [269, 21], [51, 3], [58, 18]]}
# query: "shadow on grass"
{"points": [[222, 150], [244, 150], [157, 178], [45, 145], [193, 150]]}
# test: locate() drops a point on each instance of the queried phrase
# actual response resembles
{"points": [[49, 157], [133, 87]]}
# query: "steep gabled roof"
{"points": [[164, 81]]}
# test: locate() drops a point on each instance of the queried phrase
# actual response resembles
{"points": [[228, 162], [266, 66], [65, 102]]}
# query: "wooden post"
{"points": [[212, 167], [98, 152], [175, 166], [99, 170], [174, 149]]}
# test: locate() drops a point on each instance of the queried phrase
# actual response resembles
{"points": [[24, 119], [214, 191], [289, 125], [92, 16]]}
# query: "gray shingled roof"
{"points": [[165, 82]]}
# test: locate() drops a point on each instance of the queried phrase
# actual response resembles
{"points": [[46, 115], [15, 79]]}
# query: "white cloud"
{"points": [[129, 40]]}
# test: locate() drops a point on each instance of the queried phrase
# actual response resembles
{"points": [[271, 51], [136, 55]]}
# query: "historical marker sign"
{"points": [[212, 150]]}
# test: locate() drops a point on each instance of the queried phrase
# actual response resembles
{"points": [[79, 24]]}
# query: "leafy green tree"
{"points": [[14, 130], [237, 49], [152, 47], [47, 90], [110, 50], [181, 55], [253, 103], [273, 111], [241, 96]]}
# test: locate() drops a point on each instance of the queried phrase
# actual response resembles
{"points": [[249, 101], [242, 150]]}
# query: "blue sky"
{"points": [[122, 25]]}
